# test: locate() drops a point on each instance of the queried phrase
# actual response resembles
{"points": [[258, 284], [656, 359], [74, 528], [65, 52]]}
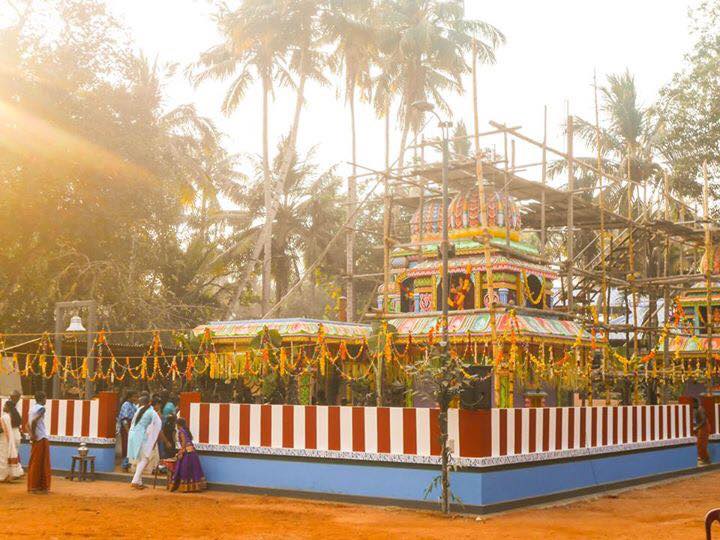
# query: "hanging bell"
{"points": [[76, 324]]}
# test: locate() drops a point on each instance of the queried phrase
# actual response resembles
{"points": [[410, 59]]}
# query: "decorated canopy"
{"points": [[478, 325], [296, 329], [499, 263], [691, 346]]}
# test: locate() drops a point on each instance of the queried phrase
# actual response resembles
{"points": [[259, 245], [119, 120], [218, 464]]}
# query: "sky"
{"points": [[552, 49]]}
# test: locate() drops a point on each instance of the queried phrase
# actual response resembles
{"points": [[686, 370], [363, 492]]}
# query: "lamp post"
{"points": [[76, 327], [425, 106], [443, 394]]}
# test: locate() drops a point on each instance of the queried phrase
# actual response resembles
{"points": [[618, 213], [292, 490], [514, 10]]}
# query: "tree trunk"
{"points": [[290, 149], [403, 144], [269, 215], [445, 456], [266, 234], [352, 204]]}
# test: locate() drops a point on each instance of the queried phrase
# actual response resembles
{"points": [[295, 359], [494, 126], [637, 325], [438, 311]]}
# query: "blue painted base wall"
{"points": [[474, 487], [61, 456], [714, 451]]}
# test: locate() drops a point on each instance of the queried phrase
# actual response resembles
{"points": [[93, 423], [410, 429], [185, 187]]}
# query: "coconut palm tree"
{"points": [[306, 219], [252, 48], [629, 144], [425, 46], [348, 26], [278, 41]]}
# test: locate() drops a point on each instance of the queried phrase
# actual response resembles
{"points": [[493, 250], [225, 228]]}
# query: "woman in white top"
{"points": [[10, 468]]}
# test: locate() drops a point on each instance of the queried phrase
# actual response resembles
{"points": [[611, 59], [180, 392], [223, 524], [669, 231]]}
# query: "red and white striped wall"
{"points": [[415, 431], [385, 430], [66, 417], [527, 431]]}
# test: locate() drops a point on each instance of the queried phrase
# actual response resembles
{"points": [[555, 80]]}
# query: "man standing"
{"points": [[143, 435], [127, 413], [39, 466], [16, 418], [701, 428]]}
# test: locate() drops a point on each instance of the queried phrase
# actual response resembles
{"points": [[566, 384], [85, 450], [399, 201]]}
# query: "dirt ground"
{"points": [[111, 509]]}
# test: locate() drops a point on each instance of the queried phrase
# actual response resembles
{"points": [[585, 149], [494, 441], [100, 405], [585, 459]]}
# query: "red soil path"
{"points": [[111, 509]]}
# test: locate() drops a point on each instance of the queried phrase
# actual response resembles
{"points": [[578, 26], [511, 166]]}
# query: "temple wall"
{"points": [[69, 423], [410, 435]]}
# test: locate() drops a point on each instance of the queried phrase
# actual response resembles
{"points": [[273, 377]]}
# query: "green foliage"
{"points": [[445, 372], [689, 105], [99, 180], [266, 337]]}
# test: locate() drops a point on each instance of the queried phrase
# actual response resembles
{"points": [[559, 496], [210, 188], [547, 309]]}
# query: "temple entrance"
{"points": [[462, 293], [534, 292]]}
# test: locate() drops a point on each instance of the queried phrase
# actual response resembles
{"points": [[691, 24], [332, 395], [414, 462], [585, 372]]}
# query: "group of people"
{"points": [[39, 472], [152, 429], [11, 427]]}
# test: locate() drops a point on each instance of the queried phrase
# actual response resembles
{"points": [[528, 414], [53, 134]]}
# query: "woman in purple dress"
{"points": [[188, 476]]}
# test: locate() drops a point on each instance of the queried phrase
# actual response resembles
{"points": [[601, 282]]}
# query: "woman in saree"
{"points": [[188, 476], [10, 468]]}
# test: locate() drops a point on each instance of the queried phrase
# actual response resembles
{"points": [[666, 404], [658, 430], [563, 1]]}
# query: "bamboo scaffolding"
{"points": [[618, 234], [709, 265], [570, 217]]}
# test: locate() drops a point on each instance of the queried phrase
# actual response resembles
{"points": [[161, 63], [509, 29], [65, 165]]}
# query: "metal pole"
{"points": [[570, 216], [92, 327], [709, 264], [58, 350], [445, 240]]}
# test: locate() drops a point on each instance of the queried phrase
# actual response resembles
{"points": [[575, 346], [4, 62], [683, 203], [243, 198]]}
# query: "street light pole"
{"points": [[427, 107], [443, 394], [60, 309], [445, 239]]}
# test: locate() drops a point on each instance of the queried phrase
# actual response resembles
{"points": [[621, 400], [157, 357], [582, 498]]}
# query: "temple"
{"points": [[511, 294]]}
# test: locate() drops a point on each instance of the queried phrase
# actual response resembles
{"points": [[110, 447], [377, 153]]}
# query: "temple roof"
{"points": [[693, 346], [697, 294], [459, 264], [479, 325], [288, 328]]}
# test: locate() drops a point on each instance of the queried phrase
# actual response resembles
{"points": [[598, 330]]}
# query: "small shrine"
{"points": [[531, 339], [697, 323]]}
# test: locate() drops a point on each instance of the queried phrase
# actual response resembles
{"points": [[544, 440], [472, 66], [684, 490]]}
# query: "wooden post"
{"points": [[107, 414], [543, 227], [386, 252], [386, 215], [486, 242], [505, 189], [603, 263], [682, 245], [421, 221], [631, 252], [666, 262], [350, 245], [709, 263], [570, 216]]}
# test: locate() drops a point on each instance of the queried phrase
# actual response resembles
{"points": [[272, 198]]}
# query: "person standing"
{"points": [[167, 442], [142, 438], [701, 429], [9, 463], [125, 417], [38, 477], [16, 422], [170, 406], [188, 476]]}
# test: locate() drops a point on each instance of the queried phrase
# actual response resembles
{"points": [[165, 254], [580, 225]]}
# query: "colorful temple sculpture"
{"points": [[289, 360], [697, 327], [506, 301]]}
